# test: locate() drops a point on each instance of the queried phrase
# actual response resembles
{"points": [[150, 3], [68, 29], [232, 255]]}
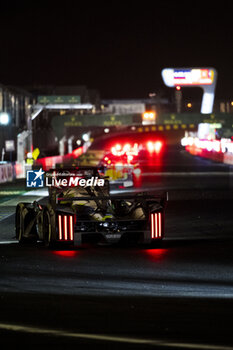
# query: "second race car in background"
{"points": [[123, 163]]}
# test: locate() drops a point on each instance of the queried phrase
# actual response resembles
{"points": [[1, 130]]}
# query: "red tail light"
{"points": [[66, 227], [158, 145], [60, 227], [156, 225], [154, 146], [71, 228], [150, 146]]}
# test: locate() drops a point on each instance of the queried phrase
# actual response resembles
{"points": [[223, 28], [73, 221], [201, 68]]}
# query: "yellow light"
{"points": [[189, 105], [149, 115]]}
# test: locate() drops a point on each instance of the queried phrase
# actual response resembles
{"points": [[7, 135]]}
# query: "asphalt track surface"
{"points": [[176, 295]]}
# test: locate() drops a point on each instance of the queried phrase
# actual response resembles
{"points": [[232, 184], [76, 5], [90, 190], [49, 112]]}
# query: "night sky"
{"points": [[118, 48]]}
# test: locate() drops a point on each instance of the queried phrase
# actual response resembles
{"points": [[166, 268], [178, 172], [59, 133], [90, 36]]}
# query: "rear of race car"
{"points": [[80, 214], [66, 227], [120, 177], [141, 219]]}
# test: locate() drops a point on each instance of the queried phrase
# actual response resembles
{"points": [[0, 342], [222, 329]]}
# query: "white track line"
{"points": [[9, 242]]}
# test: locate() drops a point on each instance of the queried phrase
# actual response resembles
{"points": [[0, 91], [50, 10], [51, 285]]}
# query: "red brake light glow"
{"points": [[66, 227], [156, 225], [126, 149], [158, 146], [150, 146], [71, 228], [60, 227], [154, 146], [66, 253]]}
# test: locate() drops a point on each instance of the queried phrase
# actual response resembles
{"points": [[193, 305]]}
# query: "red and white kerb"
{"points": [[156, 225], [66, 227]]}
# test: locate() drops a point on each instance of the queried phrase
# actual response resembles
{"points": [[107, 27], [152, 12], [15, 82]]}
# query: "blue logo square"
{"points": [[35, 178]]}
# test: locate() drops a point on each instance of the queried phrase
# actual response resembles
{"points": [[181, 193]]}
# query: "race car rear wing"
{"points": [[141, 197]]}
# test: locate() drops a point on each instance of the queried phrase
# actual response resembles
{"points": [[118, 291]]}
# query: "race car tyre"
{"points": [[25, 229], [49, 227]]}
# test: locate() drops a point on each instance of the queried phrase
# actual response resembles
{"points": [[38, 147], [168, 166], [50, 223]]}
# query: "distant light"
{"points": [[118, 147], [4, 118], [150, 146], [178, 88], [127, 147], [152, 94], [85, 137], [232, 103], [189, 105], [78, 142], [154, 146], [158, 145], [149, 115], [106, 130]]}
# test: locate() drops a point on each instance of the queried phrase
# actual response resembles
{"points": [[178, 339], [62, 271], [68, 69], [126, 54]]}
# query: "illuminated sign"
{"points": [[57, 99], [205, 78], [193, 76]]}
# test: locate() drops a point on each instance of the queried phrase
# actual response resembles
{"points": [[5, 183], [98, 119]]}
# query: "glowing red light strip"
{"points": [[65, 227], [156, 225], [152, 226], [160, 225], [71, 228], [60, 227]]}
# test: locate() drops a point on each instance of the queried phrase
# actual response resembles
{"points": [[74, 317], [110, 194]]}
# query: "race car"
{"points": [[80, 209], [121, 166], [120, 174]]}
